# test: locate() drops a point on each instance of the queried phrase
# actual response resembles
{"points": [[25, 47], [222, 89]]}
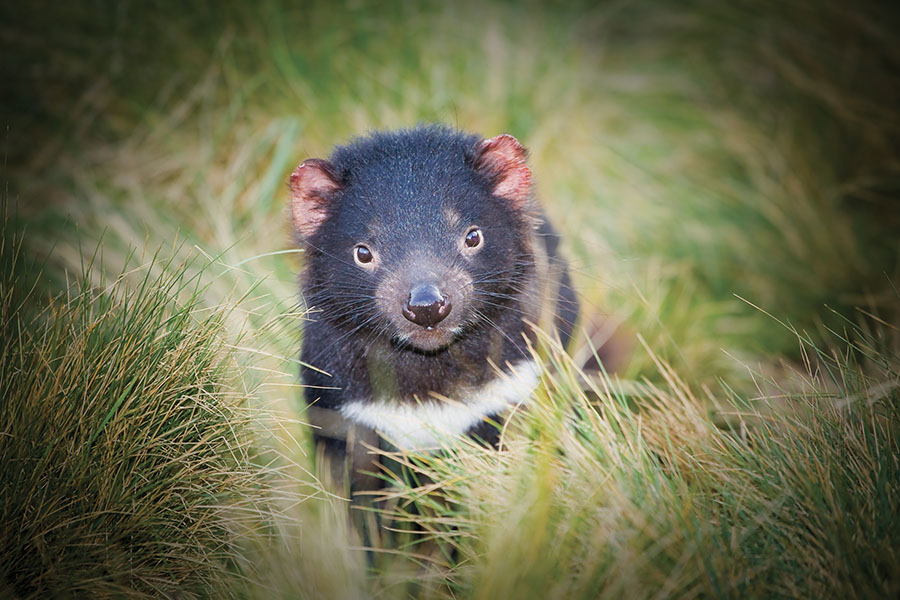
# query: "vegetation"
{"points": [[126, 451], [726, 177]]}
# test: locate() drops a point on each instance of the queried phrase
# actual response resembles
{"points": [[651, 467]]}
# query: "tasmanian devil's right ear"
{"points": [[313, 185], [502, 160]]}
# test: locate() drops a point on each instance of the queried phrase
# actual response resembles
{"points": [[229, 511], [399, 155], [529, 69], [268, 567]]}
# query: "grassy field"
{"points": [[726, 177]]}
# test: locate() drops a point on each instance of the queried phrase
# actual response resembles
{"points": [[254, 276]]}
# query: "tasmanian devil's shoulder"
{"points": [[428, 260]]}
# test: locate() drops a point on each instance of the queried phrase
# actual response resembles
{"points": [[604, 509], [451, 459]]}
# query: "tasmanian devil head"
{"points": [[416, 236]]}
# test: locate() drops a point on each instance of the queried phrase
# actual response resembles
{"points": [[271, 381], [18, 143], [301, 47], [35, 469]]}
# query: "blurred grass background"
{"points": [[726, 177]]}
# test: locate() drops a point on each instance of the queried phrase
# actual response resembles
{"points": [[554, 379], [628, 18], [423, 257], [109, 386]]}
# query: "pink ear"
{"points": [[312, 186], [502, 160]]}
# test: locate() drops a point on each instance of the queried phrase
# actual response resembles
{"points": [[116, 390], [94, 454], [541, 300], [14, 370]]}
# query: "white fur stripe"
{"points": [[421, 426]]}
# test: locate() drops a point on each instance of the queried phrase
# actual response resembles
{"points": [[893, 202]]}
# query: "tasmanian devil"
{"points": [[428, 262]]}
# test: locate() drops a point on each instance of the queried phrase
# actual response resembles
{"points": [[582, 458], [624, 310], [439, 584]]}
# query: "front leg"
{"points": [[345, 451]]}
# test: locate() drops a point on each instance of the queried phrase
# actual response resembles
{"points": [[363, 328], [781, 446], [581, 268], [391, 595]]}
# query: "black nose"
{"points": [[426, 306]]}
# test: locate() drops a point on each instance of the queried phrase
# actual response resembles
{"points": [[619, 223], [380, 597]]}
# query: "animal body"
{"points": [[428, 261]]}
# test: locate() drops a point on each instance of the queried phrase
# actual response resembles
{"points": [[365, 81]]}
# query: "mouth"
{"points": [[428, 339]]}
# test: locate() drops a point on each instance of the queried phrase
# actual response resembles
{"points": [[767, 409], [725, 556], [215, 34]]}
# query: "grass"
{"points": [[126, 447], [726, 180], [662, 502]]}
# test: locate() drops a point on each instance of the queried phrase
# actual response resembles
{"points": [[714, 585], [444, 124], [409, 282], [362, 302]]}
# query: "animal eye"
{"points": [[474, 238], [363, 255]]}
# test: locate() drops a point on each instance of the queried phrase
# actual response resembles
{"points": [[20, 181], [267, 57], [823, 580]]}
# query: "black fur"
{"points": [[412, 195]]}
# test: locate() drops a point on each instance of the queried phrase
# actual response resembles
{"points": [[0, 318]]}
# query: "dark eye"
{"points": [[473, 238], [363, 255]]}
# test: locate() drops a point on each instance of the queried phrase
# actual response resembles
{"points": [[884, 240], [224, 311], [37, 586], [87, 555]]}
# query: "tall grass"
{"points": [[127, 443], [595, 496], [725, 178]]}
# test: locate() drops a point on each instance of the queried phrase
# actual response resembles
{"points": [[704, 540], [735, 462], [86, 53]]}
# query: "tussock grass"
{"points": [[596, 496], [126, 444], [725, 178]]}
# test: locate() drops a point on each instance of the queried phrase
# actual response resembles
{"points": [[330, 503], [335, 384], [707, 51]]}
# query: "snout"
{"points": [[425, 303], [426, 306]]}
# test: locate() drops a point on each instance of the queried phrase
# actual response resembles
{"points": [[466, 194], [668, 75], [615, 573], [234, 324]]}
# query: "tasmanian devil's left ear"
{"points": [[502, 160], [313, 185]]}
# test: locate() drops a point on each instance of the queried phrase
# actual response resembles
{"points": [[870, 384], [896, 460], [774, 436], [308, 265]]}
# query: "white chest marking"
{"points": [[422, 426]]}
